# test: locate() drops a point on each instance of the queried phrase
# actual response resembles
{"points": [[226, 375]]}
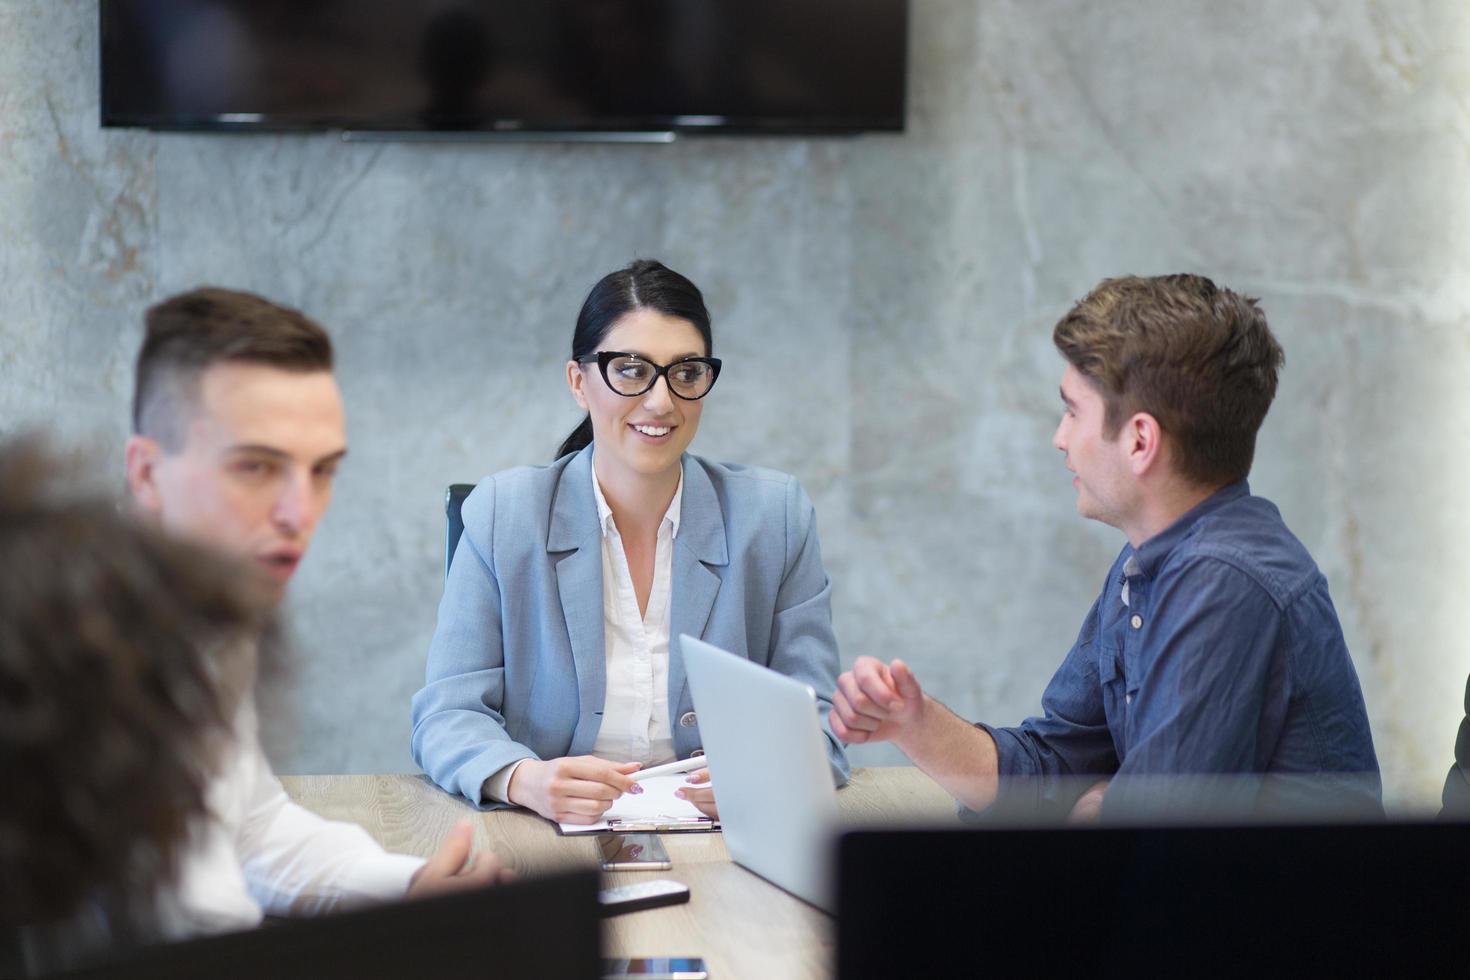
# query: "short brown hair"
{"points": [[1198, 358], [115, 693], [188, 333]]}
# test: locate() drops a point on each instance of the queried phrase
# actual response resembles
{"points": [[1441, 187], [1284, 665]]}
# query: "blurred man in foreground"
{"points": [[238, 432]]}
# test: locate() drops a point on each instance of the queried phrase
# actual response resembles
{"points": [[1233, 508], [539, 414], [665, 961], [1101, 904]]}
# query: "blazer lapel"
{"points": [[574, 534], [699, 545]]}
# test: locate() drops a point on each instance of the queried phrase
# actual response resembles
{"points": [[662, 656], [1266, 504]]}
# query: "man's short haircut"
{"points": [[187, 334], [118, 682], [1198, 358]]}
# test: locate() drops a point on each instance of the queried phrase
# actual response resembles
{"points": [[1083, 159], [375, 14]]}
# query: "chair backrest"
{"points": [[548, 926], [454, 527]]}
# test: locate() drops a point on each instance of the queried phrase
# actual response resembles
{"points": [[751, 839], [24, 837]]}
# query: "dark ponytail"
{"points": [[580, 439], [645, 284]]}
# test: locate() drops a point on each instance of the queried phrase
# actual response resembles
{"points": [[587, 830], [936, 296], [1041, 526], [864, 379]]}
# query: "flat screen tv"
{"points": [[506, 66]]}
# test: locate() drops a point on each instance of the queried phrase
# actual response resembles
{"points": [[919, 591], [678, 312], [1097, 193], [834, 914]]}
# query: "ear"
{"points": [[1144, 443], [142, 455], [576, 382]]}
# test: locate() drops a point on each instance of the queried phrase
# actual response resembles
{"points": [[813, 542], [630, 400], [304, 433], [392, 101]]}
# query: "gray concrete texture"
{"points": [[883, 304]]}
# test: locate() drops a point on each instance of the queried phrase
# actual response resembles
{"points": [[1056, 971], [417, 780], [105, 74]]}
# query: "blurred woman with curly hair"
{"points": [[112, 719]]}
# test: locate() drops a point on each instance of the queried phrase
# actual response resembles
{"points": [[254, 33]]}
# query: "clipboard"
{"points": [[654, 811], [695, 825]]}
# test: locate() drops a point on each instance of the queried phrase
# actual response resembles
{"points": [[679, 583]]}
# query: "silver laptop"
{"points": [[768, 765]]}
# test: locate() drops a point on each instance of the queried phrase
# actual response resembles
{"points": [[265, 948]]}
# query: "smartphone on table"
{"points": [[632, 852], [655, 968]]}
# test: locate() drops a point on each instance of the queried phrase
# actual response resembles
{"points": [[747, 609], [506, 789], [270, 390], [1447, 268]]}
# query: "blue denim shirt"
{"points": [[1213, 648]]}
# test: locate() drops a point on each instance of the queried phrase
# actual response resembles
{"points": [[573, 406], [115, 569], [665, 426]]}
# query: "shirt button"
{"points": [[1127, 699], [1137, 621], [688, 720]]}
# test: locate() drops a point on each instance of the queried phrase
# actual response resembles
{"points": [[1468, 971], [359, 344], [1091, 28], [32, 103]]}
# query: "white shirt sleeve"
{"points": [[299, 863], [296, 862], [497, 787], [259, 851]]}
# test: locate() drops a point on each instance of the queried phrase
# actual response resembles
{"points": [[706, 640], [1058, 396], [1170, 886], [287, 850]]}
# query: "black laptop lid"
{"points": [[542, 927], [1352, 900]]}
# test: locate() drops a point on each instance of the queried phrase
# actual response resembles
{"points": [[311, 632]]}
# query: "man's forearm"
{"points": [[957, 755]]}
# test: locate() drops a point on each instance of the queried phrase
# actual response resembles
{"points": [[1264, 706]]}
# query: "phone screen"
{"points": [[655, 968], [632, 852]]}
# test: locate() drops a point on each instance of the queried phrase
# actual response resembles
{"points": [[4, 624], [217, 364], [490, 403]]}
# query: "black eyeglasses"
{"points": [[630, 375]]}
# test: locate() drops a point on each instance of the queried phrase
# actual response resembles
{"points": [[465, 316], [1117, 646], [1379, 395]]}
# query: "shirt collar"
{"points": [[1148, 556], [605, 516]]}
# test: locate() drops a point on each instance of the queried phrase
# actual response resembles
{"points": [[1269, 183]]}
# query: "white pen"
{"points": [[669, 768]]}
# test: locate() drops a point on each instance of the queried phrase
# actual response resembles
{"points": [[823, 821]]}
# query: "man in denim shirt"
{"points": [[1214, 648]]}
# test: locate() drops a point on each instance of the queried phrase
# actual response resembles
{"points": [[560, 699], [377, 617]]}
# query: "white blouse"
{"points": [[635, 708]]}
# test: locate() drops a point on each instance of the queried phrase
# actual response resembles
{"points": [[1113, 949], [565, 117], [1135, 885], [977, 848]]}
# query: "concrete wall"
{"points": [[883, 305]]}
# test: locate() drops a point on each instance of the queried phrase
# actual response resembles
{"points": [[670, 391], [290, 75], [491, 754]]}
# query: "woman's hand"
{"points": [[700, 793], [574, 789]]}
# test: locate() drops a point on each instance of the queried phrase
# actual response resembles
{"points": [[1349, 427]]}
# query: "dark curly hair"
{"points": [[117, 687]]}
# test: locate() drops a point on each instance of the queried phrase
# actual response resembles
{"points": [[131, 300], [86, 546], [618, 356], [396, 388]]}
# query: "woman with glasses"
{"points": [[551, 676]]}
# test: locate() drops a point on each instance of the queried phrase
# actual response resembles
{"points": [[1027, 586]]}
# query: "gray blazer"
{"points": [[516, 668]]}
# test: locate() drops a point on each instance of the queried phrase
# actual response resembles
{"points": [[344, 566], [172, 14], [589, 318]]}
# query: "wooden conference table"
{"points": [[741, 924]]}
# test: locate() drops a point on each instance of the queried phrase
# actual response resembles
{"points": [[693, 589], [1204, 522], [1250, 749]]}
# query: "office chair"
{"points": [[453, 501]]}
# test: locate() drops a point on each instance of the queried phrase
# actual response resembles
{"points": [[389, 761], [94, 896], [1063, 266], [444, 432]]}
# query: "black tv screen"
{"points": [[506, 66]]}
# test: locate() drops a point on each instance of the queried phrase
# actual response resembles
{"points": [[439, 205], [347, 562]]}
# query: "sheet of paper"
{"points": [[657, 803]]}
